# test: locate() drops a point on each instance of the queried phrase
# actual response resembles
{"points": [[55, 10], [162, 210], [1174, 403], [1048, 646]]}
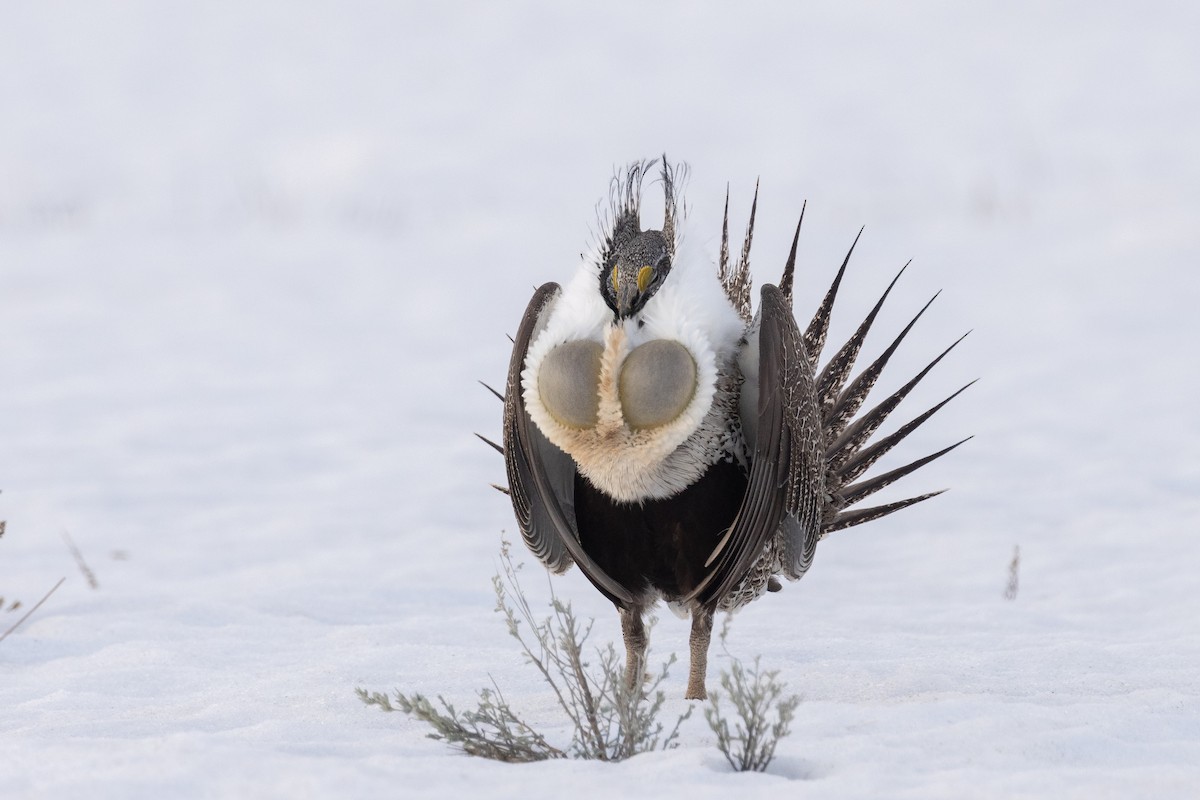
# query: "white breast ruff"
{"points": [[629, 464]]}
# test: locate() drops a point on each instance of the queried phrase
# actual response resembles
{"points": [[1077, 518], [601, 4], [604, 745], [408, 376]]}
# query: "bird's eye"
{"points": [[644, 275]]}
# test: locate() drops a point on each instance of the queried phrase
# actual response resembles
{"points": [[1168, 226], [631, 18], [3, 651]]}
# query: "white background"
{"points": [[252, 261]]}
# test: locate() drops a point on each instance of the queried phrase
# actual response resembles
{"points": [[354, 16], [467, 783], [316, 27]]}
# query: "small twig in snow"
{"points": [[1010, 591], [36, 606], [83, 567]]}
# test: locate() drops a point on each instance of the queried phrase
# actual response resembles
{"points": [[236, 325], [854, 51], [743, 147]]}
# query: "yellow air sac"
{"points": [[568, 381], [657, 383]]}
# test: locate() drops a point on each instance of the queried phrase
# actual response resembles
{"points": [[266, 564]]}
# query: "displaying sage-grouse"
{"points": [[673, 445]]}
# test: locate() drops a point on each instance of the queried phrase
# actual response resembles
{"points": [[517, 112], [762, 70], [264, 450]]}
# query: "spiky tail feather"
{"points": [[847, 454], [736, 279]]}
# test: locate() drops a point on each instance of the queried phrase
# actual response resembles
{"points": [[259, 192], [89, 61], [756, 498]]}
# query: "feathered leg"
{"points": [[702, 625], [633, 629]]}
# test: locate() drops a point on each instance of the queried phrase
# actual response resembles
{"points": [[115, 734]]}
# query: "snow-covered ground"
{"points": [[254, 257]]}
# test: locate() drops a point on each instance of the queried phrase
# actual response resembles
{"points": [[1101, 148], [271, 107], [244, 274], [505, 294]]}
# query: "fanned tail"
{"points": [[859, 491], [848, 443], [789, 269], [818, 329], [833, 377], [848, 519], [861, 460], [850, 400], [840, 398], [736, 279]]}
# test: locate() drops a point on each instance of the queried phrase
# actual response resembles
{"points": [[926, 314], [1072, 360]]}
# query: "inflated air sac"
{"points": [[658, 381], [568, 382]]}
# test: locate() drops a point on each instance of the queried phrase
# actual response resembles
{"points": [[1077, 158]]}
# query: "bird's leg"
{"points": [[702, 624], [634, 631]]}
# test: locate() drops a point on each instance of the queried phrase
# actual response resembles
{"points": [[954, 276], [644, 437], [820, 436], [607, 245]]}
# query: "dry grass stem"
{"points": [[1010, 591], [78, 556], [29, 613]]}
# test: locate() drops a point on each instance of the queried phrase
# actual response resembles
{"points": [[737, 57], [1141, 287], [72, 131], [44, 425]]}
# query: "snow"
{"points": [[253, 259]]}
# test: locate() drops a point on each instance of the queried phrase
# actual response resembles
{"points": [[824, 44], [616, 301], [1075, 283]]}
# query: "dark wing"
{"points": [[541, 477], [787, 474]]}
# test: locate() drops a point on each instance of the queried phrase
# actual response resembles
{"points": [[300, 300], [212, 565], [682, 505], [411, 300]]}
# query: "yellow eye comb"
{"points": [[644, 277]]}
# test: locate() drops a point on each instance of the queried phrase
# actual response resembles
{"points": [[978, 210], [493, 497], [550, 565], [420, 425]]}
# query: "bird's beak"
{"points": [[627, 293], [629, 290]]}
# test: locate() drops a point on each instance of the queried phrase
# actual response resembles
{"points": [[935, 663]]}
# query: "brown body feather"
{"points": [[762, 505]]}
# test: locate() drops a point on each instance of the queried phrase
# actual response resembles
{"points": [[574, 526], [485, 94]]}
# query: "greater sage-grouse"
{"points": [[673, 444]]}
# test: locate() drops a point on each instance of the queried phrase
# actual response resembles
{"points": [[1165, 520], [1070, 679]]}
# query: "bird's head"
{"points": [[634, 263], [634, 272]]}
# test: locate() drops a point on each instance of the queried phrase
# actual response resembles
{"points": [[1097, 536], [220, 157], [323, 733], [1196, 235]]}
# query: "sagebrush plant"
{"points": [[754, 693], [610, 721], [493, 730]]}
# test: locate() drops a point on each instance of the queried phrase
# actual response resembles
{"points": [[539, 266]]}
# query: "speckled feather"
{"points": [[761, 403]]}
